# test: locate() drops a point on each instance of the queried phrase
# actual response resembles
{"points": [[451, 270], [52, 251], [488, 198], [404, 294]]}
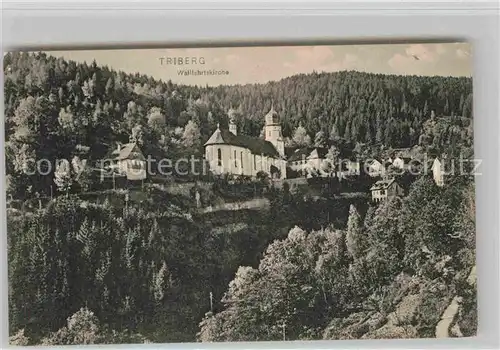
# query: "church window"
{"points": [[241, 159], [235, 160], [219, 157], [255, 162]]}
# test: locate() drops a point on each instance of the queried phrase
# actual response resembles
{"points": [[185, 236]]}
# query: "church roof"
{"points": [[255, 145], [272, 116]]}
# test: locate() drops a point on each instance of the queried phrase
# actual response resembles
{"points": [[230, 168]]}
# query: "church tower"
{"points": [[232, 121], [273, 131]]}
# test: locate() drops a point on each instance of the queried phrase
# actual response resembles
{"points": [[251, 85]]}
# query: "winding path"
{"points": [[443, 326]]}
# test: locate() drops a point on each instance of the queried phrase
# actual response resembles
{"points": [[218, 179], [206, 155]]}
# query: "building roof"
{"points": [[272, 116], [128, 151], [382, 184], [319, 152], [255, 145], [300, 153], [373, 161], [405, 159], [402, 152]]}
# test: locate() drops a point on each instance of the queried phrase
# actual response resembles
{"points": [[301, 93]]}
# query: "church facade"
{"points": [[229, 153]]}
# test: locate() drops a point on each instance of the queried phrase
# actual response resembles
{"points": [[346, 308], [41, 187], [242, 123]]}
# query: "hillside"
{"points": [[397, 272], [185, 258], [82, 110]]}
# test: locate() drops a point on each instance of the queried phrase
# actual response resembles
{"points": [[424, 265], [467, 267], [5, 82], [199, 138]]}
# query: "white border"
{"points": [[38, 25]]}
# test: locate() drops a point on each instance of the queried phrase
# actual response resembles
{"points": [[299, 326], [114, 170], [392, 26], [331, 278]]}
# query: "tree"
{"points": [[62, 176], [331, 162], [319, 139], [82, 329], [19, 339], [191, 137], [334, 134], [353, 234], [156, 120], [137, 135], [300, 137]]}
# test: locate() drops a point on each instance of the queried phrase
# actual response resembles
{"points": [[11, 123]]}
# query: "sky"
{"points": [[242, 65]]}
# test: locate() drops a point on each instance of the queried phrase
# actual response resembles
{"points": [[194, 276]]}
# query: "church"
{"points": [[229, 153]]}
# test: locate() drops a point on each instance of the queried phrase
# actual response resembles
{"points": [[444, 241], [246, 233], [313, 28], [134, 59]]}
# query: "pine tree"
{"points": [[319, 139], [354, 233], [62, 176]]}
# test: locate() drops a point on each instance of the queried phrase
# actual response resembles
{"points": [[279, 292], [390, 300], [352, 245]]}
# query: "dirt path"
{"points": [[443, 326]]}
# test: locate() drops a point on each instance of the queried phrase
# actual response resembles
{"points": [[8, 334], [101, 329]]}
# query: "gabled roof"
{"points": [[320, 152], [372, 161], [128, 151], [382, 184], [300, 153], [255, 145]]}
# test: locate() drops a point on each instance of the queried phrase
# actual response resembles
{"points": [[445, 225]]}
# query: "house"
{"points": [[374, 168], [317, 157], [348, 167], [308, 160], [401, 162], [227, 152], [438, 172], [128, 160], [298, 159], [384, 189]]}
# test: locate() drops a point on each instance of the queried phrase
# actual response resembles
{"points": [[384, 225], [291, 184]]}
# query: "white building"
{"points": [[438, 172], [128, 160], [230, 153], [374, 168]]}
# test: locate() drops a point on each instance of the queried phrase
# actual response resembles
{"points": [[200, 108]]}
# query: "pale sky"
{"points": [[262, 64]]}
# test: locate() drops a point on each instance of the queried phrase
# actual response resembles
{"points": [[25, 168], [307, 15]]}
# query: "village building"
{"points": [[227, 152], [438, 172], [317, 157], [401, 162], [384, 189], [297, 160], [374, 168], [350, 167], [128, 160]]}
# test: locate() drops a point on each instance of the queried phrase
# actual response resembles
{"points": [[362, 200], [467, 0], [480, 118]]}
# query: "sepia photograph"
{"points": [[240, 193]]}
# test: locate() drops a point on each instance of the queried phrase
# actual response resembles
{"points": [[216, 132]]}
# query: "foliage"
{"points": [[305, 286], [19, 339]]}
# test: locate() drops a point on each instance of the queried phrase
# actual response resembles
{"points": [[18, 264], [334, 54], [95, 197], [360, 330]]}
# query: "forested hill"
{"points": [[363, 107], [57, 108]]}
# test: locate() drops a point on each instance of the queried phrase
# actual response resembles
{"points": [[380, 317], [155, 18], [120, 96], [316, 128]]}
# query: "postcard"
{"points": [[243, 193]]}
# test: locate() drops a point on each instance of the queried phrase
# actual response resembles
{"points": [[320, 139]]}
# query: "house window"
{"points": [[235, 160], [382, 192], [241, 159], [255, 162], [219, 157], [269, 133]]}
